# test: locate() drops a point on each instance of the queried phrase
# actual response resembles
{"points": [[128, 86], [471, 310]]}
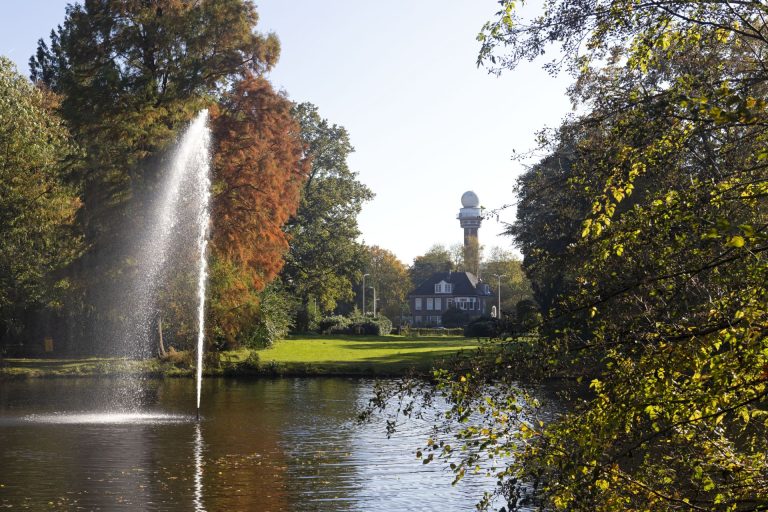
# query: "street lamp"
{"points": [[498, 309], [374, 300], [364, 275]]}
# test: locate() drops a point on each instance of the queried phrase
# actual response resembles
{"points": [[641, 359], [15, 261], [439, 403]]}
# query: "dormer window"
{"points": [[443, 287]]}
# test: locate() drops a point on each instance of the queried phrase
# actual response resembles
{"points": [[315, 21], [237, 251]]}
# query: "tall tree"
{"points": [[389, 276], [260, 169], [37, 207], [514, 284], [436, 259], [550, 212], [325, 259]]}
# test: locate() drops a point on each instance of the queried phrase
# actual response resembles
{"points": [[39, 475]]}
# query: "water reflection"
{"points": [[108, 418], [198, 454], [270, 445]]}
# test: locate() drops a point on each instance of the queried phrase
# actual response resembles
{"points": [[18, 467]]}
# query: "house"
{"points": [[443, 290]]}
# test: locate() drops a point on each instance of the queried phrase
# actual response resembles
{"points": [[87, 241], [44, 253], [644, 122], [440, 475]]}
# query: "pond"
{"points": [[262, 445]]}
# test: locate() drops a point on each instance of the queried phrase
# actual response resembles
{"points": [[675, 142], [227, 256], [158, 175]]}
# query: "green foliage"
{"points": [[527, 316], [275, 317], [644, 233], [384, 325], [325, 259], [333, 324], [369, 326], [356, 324], [483, 327], [436, 259], [515, 286], [455, 317], [390, 278], [432, 332], [253, 361], [37, 207]]}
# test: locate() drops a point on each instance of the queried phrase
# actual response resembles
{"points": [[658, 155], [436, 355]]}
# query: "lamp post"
{"points": [[364, 275], [374, 300], [498, 309]]}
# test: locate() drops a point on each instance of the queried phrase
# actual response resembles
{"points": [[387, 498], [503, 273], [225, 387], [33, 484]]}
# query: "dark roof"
{"points": [[464, 283]]}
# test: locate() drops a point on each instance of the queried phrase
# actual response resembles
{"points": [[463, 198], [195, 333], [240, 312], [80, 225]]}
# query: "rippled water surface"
{"points": [[267, 445]]}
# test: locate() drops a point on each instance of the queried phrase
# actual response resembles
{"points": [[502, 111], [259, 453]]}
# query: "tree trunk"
{"points": [[160, 346]]}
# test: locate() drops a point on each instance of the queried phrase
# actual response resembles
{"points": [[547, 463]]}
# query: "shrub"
{"points": [[385, 325], [275, 318], [367, 326], [333, 324], [483, 327], [455, 317], [252, 361]]}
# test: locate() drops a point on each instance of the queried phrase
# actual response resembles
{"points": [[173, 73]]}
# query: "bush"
{"points": [[455, 317], [275, 318], [252, 362], [333, 324], [483, 327], [385, 325], [366, 326]]}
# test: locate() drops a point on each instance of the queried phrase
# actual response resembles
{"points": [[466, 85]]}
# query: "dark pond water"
{"points": [[267, 445]]}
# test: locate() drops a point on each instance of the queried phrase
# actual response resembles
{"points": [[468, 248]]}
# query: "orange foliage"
{"points": [[259, 170]]}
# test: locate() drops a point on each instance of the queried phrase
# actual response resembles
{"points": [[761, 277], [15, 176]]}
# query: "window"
{"points": [[450, 303], [417, 319], [417, 305], [438, 304], [443, 287], [430, 304], [467, 303]]}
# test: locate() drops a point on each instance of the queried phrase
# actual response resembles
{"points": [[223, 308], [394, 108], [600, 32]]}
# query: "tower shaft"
{"points": [[470, 218]]}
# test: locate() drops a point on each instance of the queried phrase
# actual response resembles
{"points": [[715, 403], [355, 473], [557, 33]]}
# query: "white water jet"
{"points": [[203, 181], [181, 212]]}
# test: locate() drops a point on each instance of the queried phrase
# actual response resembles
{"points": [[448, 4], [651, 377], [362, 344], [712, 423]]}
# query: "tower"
{"points": [[470, 217]]}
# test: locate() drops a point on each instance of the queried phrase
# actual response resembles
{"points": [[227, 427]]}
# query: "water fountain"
{"points": [[176, 230], [171, 246], [181, 212]]}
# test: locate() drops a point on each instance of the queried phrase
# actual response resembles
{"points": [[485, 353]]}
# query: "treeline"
{"points": [[86, 150], [644, 234], [86, 146]]}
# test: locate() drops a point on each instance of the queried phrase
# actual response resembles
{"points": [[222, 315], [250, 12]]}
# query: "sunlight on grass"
{"points": [[380, 350]]}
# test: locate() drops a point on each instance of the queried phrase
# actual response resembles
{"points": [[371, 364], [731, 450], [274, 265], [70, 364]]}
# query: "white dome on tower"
{"points": [[470, 200]]}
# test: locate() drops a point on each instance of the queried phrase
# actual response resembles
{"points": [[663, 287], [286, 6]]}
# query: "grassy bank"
{"points": [[321, 355]]}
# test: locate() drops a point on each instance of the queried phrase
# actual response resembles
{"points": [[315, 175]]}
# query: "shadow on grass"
{"points": [[396, 359], [406, 345], [384, 339]]}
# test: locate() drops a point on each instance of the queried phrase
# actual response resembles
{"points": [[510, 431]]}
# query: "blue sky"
{"points": [[426, 123]]}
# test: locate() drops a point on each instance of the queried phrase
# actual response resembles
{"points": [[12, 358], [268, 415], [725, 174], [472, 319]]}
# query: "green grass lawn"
{"points": [[365, 354], [74, 367], [316, 355]]}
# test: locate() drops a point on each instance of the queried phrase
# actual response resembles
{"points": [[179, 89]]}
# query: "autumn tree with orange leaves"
{"points": [[259, 172]]}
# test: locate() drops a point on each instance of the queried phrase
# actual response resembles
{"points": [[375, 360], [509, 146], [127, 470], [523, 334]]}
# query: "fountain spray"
{"points": [[203, 186]]}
